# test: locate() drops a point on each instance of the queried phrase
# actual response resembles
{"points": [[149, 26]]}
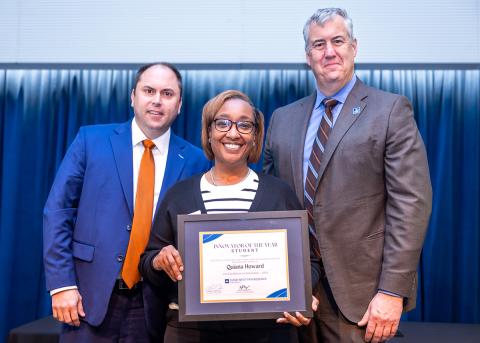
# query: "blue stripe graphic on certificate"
{"points": [[210, 237], [281, 293]]}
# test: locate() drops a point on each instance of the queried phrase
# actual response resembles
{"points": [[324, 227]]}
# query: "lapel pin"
{"points": [[181, 156], [356, 110]]}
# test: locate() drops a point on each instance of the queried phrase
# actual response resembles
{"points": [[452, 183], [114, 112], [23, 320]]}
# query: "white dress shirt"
{"points": [[160, 153]]}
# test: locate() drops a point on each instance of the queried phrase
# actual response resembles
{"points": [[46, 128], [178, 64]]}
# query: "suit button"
{"points": [[129, 227], [120, 258]]}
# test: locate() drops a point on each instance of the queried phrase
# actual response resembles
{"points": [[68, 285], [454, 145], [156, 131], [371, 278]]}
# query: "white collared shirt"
{"points": [[160, 154]]}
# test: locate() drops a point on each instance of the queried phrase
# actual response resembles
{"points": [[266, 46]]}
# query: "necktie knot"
{"points": [[148, 144], [329, 104]]}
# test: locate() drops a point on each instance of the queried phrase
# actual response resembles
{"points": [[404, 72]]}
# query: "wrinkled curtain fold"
{"points": [[41, 111]]}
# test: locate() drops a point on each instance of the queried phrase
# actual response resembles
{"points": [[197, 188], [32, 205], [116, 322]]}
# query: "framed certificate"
{"points": [[244, 266]]}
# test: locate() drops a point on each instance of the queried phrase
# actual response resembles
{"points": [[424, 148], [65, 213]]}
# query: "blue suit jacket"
{"points": [[89, 211]]}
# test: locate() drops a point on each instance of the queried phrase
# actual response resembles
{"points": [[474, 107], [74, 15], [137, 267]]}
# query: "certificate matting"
{"points": [[299, 278]]}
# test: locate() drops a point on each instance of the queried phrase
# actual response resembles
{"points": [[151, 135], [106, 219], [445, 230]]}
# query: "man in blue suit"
{"points": [[88, 215]]}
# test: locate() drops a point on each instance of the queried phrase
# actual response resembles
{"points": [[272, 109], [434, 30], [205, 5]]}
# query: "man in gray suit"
{"points": [[354, 156]]}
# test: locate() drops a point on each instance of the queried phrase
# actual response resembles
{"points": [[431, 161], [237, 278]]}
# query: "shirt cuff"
{"points": [[390, 293], [61, 289]]}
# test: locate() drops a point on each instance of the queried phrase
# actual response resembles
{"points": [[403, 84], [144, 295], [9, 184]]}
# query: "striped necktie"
{"points": [[318, 148], [142, 216]]}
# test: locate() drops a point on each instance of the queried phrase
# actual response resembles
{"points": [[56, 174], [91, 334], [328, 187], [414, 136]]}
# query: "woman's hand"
{"points": [[299, 319], [169, 260]]}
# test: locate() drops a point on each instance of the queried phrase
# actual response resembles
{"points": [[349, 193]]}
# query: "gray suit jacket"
{"points": [[373, 200]]}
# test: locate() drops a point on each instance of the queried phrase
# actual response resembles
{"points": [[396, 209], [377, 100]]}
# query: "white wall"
{"points": [[226, 31]]}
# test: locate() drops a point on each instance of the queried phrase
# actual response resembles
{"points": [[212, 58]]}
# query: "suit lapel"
{"points": [[121, 141], [351, 111], [175, 163], [299, 123]]}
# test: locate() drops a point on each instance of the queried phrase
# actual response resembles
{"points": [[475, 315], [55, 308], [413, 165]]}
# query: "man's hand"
{"points": [[67, 307], [382, 316], [169, 260], [299, 319]]}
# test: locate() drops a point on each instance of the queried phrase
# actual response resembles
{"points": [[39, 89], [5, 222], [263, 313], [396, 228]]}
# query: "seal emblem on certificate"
{"points": [[239, 265]]}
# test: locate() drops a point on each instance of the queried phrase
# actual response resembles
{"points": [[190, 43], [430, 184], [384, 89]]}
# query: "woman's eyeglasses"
{"points": [[224, 125]]}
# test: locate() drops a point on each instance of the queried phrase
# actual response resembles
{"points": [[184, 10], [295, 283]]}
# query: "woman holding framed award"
{"points": [[232, 136]]}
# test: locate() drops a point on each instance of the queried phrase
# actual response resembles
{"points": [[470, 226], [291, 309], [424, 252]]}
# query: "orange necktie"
{"points": [[142, 216]]}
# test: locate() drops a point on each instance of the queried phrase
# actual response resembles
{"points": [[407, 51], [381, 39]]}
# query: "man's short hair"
{"points": [[321, 16], [170, 66], [212, 107]]}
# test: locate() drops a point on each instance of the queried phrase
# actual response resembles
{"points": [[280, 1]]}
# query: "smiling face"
{"points": [[156, 100], [231, 148], [331, 55]]}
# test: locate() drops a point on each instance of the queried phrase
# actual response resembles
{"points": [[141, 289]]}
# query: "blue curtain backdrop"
{"points": [[41, 110]]}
